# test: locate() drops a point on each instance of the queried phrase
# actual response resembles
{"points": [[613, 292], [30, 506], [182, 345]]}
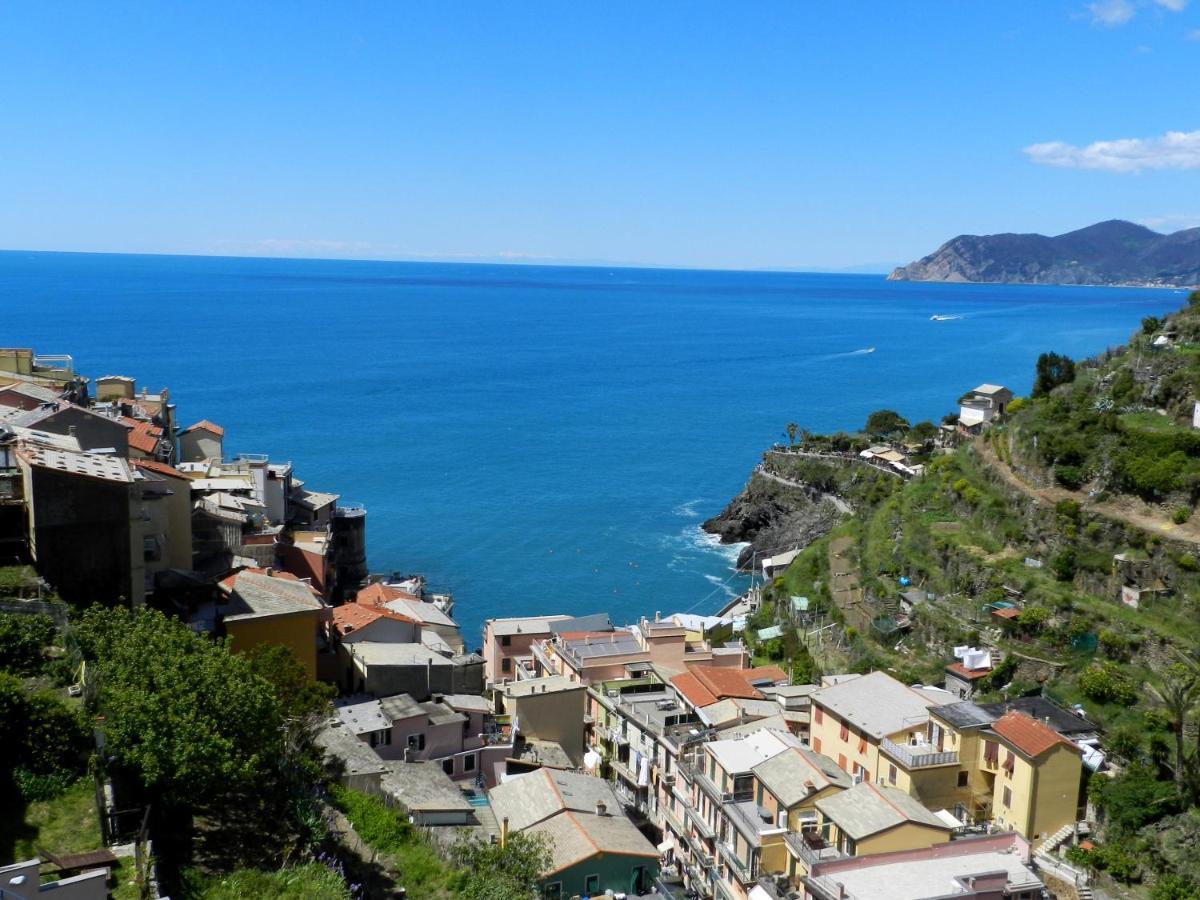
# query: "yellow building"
{"points": [[870, 818], [1012, 770], [260, 606], [871, 724], [549, 709]]}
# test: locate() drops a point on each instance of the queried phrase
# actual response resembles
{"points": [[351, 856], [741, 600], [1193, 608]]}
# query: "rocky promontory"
{"points": [[1109, 253], [772, 517]]}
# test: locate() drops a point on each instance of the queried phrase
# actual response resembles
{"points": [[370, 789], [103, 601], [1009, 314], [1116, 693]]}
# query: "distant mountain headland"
{"points": [[1110, 253]]}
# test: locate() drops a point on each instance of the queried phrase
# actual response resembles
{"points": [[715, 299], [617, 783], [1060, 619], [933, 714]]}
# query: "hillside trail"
{"points": [[1129, 510]]}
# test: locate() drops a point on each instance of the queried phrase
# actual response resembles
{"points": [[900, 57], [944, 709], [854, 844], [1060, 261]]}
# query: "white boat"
{"points": [[943, 318]]}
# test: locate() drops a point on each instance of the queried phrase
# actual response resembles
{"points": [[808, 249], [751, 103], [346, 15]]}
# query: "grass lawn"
{"points": [[66, 824], [1150, 421]]}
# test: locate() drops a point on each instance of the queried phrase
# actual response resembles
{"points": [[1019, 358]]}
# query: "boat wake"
{"points": [[688, 510], [943, 318]]}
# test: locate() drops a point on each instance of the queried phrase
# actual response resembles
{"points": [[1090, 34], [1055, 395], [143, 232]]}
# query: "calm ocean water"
{"points": [[539, 439]]}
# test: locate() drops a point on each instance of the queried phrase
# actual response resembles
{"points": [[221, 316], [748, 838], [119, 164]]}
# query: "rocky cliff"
{"points": [[1113, 252], [772, 518]]}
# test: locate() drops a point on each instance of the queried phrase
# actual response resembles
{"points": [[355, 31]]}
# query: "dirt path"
{"points": [[1129, 510], [841, 505]]}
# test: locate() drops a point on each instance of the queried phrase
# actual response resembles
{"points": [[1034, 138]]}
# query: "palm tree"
{"points": [[792, 428], [1177, 692]]}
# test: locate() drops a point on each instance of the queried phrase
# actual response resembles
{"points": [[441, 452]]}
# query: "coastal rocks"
{"points": [[771, 518]]}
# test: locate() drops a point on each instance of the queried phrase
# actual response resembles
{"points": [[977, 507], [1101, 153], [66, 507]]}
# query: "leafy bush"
{"points": [[1106, 683], [1133, 799], [1118, 862], [1069, 476], [1181, 514], [1172, 887], [22, 641], [34, 786], [39, 733]]}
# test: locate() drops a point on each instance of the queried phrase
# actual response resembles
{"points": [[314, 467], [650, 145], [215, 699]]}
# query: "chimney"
{"points": [[543, 687], [503, 832], [657, 616], [269, 571], [841, 891], [429, 675], [601, 808], [70, 431], [408, 754]]}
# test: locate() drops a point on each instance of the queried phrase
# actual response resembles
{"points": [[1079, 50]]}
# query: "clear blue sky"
{"points": [[796, 134]]}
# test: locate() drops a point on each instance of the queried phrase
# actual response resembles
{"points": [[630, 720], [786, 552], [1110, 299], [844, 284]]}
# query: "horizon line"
{"points": [[547, 263]]}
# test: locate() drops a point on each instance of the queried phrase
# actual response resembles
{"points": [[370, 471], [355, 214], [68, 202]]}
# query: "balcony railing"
{"points": [[752, 827], [736, 864], [916, 758], [811, 848]]}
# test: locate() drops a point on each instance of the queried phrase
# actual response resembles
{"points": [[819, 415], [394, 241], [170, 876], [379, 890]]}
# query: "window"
{"points": [[1010, 762], [844, 732], [416, 741], [842, 761], [448, 766], [892, 774], [862, 745], [553, 891], [962, 778], [818, 715], [506, 640], [374, 739], [991, 752], [506, 664], [1008, 797], [469, 762], [591, 885], [816, 745], [385, 737]]}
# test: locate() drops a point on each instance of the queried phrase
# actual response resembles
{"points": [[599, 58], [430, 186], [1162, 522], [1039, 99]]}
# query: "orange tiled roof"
{"points": [[970, 674], [205, 425], [1008, 612], [722, 682], [379, 594], [155, 466], [773, 672], [144, 437], [1027, 734], [693, 691], [351, 617]]}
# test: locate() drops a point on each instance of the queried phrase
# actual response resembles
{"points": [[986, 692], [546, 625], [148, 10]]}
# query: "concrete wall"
{"points": [[94, 432], [390, 631], [195, 446], [80, 536], [553, 716]]}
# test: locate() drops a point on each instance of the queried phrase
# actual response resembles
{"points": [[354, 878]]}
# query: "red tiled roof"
{"points": [[774, 673], [1027, 734], [159, 467], [722, 682], [963, 672], [379, 594], [352, 617], [1008, 612], [693, 691], [205, 425], [144, 437]]}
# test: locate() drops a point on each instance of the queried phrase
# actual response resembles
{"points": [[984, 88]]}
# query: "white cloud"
{"points": [[1171, 222], [1111, 13], [1174, 150], [1173, 5]]}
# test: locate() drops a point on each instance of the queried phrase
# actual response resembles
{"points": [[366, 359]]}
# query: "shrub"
{"points": [[1070, 477], [1181, 514], [1133, 799], [22, 640], [1106, 683], [1118, 862], [1172, 887]]}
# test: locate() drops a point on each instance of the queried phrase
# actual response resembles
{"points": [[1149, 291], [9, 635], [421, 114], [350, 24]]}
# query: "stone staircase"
{"points": [[487, 820], [1051, 844]]}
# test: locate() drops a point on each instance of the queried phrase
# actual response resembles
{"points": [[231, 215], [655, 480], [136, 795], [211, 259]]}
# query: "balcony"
{"points": [[918, 757], [745, 818], [737, 866], [811, 848]]}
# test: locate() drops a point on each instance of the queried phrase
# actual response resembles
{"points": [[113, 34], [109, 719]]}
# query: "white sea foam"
{"points": [[688, 510], [726, 588]]}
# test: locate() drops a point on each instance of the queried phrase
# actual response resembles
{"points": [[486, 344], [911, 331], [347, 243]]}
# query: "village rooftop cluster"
{"points": [[654, 756]]}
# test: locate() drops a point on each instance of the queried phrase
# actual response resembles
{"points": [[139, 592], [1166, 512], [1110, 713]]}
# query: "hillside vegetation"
{"points": [[1047, 512]]}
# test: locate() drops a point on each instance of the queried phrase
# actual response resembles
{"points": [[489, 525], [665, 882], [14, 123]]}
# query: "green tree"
{"points": [[511, 872], [1133, 799], [924, 432], [885, 423], [1052, 370], [1176, 692], [1151, 324], [40, 735], [298, 696], [1105, 682], [792, 429], [23, 640]]}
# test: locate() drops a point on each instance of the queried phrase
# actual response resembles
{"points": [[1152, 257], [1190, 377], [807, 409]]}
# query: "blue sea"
{"points": [[540, 439]]}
